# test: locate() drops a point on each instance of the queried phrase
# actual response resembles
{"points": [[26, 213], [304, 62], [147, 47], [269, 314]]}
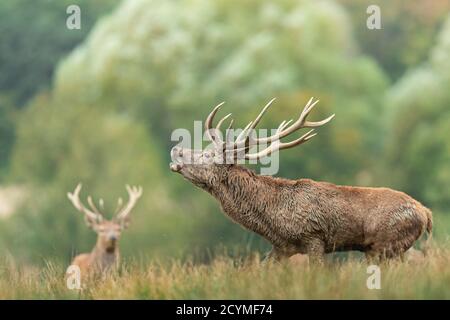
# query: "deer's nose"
{"points": [[113, 237], [175, 167], [176, 154]]}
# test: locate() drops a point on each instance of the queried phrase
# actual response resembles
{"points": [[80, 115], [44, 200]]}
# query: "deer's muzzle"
{"points": [[177, 155], [175, 167]]}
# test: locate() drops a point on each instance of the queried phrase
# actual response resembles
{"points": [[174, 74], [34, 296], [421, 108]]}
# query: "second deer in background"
{"points": [[105, 254]]}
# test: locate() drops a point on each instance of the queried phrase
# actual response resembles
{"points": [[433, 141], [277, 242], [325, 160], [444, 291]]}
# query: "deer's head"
{"points": [[108, 231], [205, 167]]}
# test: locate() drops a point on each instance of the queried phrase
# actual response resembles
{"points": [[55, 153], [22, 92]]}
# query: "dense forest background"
{"points": [[98, 105]]}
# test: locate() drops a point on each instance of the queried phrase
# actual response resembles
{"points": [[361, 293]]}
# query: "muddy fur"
{"points": [[105, 255], [314, 218]]}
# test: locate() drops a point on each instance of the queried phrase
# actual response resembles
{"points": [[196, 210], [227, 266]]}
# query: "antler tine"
{"points": [[251, 142], [245, 140], [75, 199], [101, 203], [284, 129], [280, 145], [299, 124], [231, 124], [228, 131], [314, 124], [134, 193], [209, 121], [240, 138], [92, 205], [119, 205], [283, 125], [244, 136], [219, 124], [311, 124], [260, 115]]}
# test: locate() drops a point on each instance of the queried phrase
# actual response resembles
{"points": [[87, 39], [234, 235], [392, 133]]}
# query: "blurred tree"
{"points": [[409, 30], [7, 118], [62, 147], [157, 61], [419, 147], [34, 37]]}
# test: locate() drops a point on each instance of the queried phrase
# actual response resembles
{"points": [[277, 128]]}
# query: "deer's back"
{"points": [[356, 217], [355, 200]]}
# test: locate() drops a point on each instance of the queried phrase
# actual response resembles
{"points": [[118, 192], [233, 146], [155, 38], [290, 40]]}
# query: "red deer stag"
{"points": [[105, 254], [300, 216]]}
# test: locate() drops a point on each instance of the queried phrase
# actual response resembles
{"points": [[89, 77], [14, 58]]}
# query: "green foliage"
{"points": [[419, 148], [157, 61], [35, 37], [64, 146], [152, 66], [409, 30], [7, 132]]}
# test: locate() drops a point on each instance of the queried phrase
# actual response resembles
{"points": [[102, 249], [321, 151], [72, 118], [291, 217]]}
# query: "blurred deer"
{"points": [[105, 254], [299, 216]]}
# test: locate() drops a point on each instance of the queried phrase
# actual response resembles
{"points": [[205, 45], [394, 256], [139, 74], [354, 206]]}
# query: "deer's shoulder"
{"points": [[81, 259]]}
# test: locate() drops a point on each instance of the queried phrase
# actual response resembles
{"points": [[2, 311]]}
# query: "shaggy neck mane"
{"points": [[243, 192]]}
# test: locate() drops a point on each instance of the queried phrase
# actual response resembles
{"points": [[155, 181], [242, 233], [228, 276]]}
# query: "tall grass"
{"points": [[226, 278]]}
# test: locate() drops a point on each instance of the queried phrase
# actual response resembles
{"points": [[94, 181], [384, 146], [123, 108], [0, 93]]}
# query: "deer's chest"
{"points": [[107, 261], [254, 220]]}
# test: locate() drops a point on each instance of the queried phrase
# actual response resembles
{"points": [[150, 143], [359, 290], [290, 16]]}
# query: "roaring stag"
{"points": [[300, 216], [105, 254]]}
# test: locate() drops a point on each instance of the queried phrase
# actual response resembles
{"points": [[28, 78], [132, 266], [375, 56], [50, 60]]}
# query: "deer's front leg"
{"points": [[316, 252]]}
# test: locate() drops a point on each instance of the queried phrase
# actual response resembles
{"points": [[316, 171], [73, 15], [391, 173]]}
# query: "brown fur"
{"points": [[105, 255], [309, 217]]}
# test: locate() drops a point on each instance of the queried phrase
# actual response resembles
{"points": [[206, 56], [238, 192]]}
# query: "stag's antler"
{"points": [[134, 194], [93, 216], [246, 140]]}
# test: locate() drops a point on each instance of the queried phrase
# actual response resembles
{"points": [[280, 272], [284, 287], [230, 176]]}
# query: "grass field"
{"points": [[225, 278]]}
